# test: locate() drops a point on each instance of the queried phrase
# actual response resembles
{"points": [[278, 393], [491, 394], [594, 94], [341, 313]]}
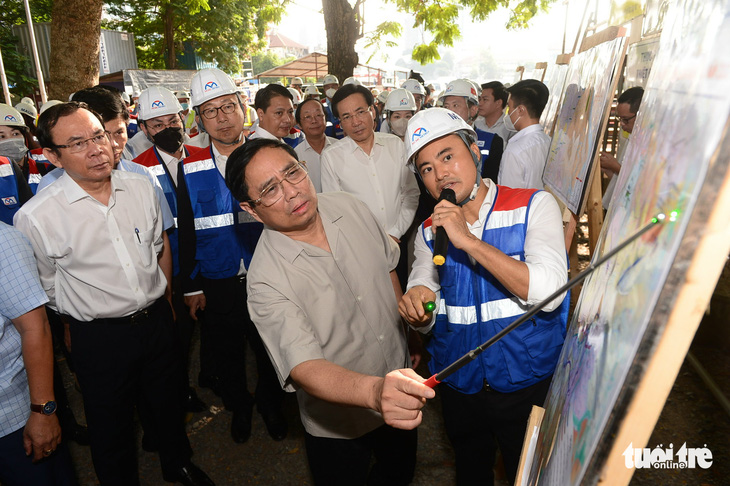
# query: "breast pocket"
{"points": [[146, 246]]}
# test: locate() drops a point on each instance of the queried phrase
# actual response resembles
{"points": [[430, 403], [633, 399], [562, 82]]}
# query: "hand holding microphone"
{"points": [[441, 244]]}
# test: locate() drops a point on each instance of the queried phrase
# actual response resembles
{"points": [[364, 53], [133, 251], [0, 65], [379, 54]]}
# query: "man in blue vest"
{"points": [[505, 253], [217, 239], [330, 85]]}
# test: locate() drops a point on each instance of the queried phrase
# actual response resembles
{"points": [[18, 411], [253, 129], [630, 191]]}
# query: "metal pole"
{"points": [[709, 382], [6, 91], [36, 60]]}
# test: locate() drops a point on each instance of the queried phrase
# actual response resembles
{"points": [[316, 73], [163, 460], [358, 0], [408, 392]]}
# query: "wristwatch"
{"points": [[48, 408]]}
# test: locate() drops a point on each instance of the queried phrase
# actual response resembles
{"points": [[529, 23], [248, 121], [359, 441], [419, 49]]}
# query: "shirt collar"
{"points": [[526, 131], [74, 192]]}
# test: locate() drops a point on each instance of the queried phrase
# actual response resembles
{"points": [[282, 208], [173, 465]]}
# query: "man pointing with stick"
{"points": [[505, 253]]}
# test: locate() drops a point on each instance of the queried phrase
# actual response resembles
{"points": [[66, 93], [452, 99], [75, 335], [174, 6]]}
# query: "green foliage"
{"points": [[438, 19], [380, 34], [220, 31], [268, 60]]}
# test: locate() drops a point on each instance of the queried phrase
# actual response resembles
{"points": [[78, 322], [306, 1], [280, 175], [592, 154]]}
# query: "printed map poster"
{"points": [[555, 82], [639, 59], [674, 163], [587, 97]]}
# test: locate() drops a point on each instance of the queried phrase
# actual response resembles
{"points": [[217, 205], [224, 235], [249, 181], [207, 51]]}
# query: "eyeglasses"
{"points": [[212, 112], [625, 119], [359, 114], [82, 145], [311, 118], [274, 191], [159, 126]]}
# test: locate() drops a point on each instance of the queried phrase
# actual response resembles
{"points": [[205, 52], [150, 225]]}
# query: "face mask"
{"points": [[508, 122], [13, 148], [330, 93], [170, 139], [184, 106], [398, 127]]}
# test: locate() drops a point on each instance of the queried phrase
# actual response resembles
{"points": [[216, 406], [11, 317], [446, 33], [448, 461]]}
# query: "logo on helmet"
{"points": [[404, 101], [210, 85], [158, 104], [453, 116], [10, 118], [420, 132]]}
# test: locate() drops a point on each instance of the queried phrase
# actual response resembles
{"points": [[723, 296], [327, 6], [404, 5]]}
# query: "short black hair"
{"points": [[264, 96], [49, 118], [632, 96], [498, 91], [530, 93], [240, 158], [297, 114], [347, 90], [104, 100]]}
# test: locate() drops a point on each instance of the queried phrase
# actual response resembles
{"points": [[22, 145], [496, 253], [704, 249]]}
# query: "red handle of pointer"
{"points": [[431, 382]]}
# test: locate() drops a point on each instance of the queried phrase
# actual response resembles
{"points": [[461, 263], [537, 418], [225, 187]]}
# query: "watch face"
{"points": [[49, 407]]}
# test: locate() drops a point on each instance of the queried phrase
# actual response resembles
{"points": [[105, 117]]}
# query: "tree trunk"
{"points": [[169, 39], [343, 30], [74, 61]]}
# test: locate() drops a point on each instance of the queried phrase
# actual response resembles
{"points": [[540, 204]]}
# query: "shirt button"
{"points": [[117, 239], [359, 298], [127, 264]]}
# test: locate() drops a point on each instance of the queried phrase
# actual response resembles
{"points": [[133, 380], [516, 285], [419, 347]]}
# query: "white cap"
{"points": [[296, 95], [209, 84], [157, 101], [297, 80], [352, 80], [330, 79], [27, 108], [311, 90], [414, 86], [10, 117], [400, 100], [461, 87], [429, 125], [49, 104]]}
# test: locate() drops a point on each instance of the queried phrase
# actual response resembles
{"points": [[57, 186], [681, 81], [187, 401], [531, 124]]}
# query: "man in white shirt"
{"points": [[492, 102], [505, 253], [275, 111], [312, 120], [523, 161], [97, 238], [370, 165]]}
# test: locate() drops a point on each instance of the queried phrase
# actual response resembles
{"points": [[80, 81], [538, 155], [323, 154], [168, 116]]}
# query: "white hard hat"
{"points": [[400, 100], [126, 98], [383, 96], [297, 80], [312, 90], [27, 100], [157, 101], [461, 87], [10, 117], [475, 84], [375, 92], [182, 94], [352, 80], [330, 79], [27, 108], [208, 84], [49, 104], [414, 86], [429, 125], [296, 95]]}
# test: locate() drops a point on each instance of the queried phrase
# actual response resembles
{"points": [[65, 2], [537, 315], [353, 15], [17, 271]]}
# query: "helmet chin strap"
{"points": [[477, 163]]}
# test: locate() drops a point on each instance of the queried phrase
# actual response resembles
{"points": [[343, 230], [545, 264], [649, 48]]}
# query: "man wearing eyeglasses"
{"points": [[97, 235], [322, 291], [217, 239], [371, 166], [628, 107], [311, 118]]}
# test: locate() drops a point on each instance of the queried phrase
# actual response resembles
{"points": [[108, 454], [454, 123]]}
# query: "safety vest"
{"points": [[224, 232], [36, 159], [9, 197], [333, 128], [294, 138], [484, 142], [475, 306], [151, 159], [248, 120]]}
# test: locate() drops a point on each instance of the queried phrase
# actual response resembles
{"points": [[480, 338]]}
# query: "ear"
{"points": [[475, 151], [260, 112], [52, 157], [142, 127], [250, 210], [473, 111]]}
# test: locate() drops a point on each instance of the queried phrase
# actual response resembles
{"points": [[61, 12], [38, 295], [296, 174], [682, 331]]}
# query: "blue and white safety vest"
{"points": [[224, 232], [475, 306], [484, 142], [9, 197]]}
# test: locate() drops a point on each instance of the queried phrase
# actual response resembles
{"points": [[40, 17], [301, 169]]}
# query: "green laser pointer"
{"points": [[471, 355], [429, 306]]}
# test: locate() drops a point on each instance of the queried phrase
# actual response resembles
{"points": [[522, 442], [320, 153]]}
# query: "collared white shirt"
{"points": [[381, 180], [499, 128], [96, 260], [306, 153], [262, 133], [523, 161], [545, 254]]}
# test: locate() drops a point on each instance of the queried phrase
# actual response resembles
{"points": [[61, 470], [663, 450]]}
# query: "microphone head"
{"points": [[449, 195]]}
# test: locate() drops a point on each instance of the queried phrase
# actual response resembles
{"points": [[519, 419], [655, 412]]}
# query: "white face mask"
{"points": [[13, 148], [508, 122], [398, 127], [330, 93]]}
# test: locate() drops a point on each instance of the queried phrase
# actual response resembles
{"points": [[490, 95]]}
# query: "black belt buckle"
{"points": [[241, 279], [487, 387]]}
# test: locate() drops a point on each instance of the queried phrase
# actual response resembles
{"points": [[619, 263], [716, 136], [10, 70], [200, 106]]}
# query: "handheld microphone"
{"points": [[442, 238]]}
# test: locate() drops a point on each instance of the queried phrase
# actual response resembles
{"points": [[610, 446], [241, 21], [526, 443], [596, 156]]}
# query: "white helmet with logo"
{"points": [[429, 125], [414, 86], [330, 79], [461, 87], [383, 96], [208, 84], [27, 108], [400, 100], [10, 117], [296, 95], [157, 101], [352, 80], [312, 90]]}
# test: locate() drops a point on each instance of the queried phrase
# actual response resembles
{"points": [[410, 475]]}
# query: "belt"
{"points": [[137, 318]]}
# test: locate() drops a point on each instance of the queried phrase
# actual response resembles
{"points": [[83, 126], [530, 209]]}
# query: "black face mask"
{"points": [[170, 139]]}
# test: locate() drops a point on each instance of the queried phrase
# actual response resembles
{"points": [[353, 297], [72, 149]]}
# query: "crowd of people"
{"points": [[277, 225]]}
